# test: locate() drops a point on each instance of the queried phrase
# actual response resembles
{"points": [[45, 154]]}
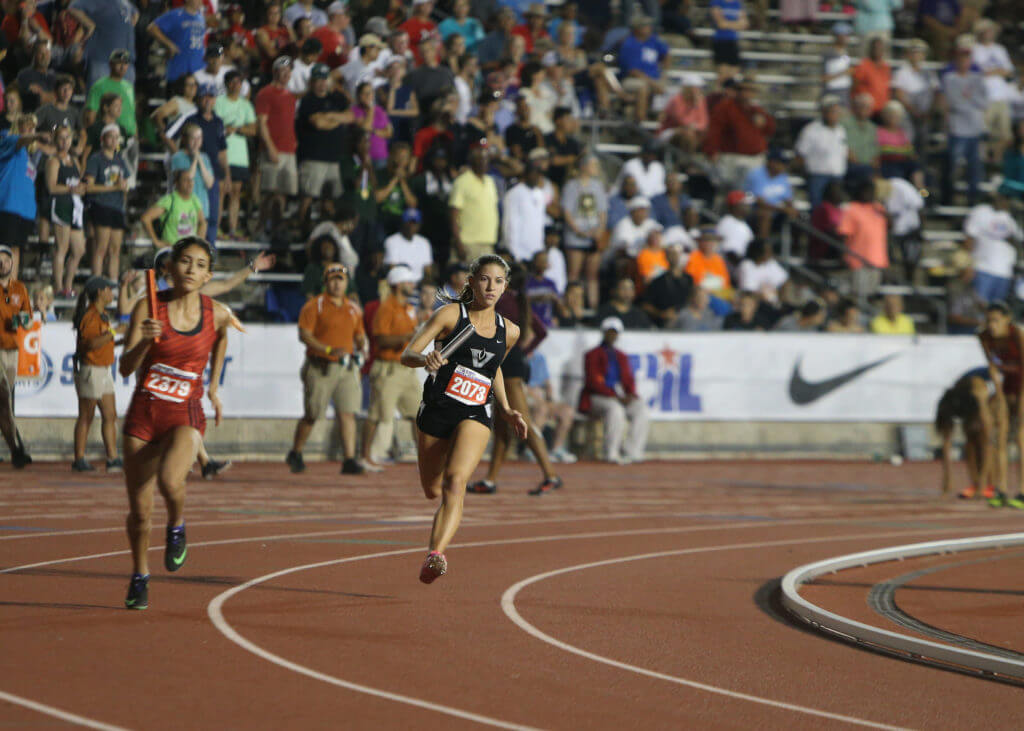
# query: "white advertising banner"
{"points": [[712, 377]]}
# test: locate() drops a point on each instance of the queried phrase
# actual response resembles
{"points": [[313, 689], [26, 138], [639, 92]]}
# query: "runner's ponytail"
{"points": [[466, 295]]}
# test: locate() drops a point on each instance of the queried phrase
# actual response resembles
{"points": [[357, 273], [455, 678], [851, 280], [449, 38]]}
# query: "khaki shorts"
{"points": [[281, 177], [8, 367], [998, 122], [94, 382], [314, 175], [393, 386], [342, 386]]}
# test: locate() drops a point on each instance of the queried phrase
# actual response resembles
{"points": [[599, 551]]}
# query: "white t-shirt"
{"points": [[903, 206], [993, 56], [522, 225], [415, 254], [836, 63], [736, 235], [629, 237], [204, 77], [650, 180], [465, 107], [755, 277], [993, 231], [556, 270], [823, 148], [298, 84], [346, 252]]}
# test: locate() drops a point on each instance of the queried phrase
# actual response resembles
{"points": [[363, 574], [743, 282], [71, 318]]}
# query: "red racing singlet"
{"points": [[173, 369], [1006, 355]]}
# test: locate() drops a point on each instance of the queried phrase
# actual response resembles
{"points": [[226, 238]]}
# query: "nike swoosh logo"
{"points": [[180, 561], [804, 392]]}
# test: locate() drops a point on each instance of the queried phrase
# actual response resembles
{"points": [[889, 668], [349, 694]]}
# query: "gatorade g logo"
{"points": [[480, 357], [30, 386]]}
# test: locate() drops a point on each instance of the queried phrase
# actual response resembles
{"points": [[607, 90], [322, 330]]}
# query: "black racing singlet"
{"points": [[466, 379]]}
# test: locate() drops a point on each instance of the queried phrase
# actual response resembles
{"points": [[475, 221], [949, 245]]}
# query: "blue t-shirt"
{"points": [[731, 9], [775, 190], [17, 178], [188, 33], [471, 30], [181, 161], [539, 373], [637, 56]]}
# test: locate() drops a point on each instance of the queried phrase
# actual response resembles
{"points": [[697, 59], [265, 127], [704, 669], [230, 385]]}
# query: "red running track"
{"points": [[299, 606]]}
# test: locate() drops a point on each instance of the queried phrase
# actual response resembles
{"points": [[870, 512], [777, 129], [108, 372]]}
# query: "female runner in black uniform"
{"points": [[454, 420]]}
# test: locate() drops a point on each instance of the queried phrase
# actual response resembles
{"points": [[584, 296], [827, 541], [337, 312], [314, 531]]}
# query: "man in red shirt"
{"points": [[609, 395], [275, 112], [738, 135], [419, 25], [332, 35], [533, 29]]}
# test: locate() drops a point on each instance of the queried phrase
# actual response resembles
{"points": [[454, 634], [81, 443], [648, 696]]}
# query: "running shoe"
{"points": [[483, 487], [552, 483], [999, 501], [970, 491], [295, 461], [115, 465], [80, 465], [1016, 502], [138, 592], [564, 456], [434, 566], [20, 459], [213, 468], [989, 492], [352, 467], [370, 466], [176, 548]]}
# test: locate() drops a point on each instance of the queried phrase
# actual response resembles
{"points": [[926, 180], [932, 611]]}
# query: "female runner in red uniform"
{"points": [[1003, 343], [168, 350], [454, 421]]}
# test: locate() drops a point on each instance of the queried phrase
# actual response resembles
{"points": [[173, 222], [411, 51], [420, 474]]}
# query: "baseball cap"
{"points": [[214, 49], [637, 201], [738, 196], [282, 62], [206, 90], [370, 39], [337, 7], [709, 232], [112, 127], [612, 323], [335, 270], [400, 275], [412, 215], [842, 28], [95, 284], [319, 71], [120, 54]]}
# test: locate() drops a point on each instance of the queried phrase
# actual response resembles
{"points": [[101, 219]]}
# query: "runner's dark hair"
{"points": [[466, 295]]}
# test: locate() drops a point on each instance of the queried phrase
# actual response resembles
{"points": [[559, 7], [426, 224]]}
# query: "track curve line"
{"points": [[903, 645], [57, 713]]}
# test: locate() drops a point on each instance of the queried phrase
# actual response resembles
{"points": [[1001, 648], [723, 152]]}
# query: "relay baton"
{"points": [[151, 294], [460, 337]]}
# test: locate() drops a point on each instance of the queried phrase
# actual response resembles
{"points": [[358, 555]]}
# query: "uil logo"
{"points": [[480, 357]]}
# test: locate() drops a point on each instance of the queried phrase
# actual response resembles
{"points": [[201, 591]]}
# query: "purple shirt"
{"points": [[378, 145]]}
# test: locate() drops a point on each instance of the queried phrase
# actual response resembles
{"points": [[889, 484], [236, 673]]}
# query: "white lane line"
{"points": [[58, 713], [215, 610], [509, 608]]}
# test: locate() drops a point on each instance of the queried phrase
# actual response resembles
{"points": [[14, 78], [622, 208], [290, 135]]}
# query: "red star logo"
{"points": [[668, 356]]}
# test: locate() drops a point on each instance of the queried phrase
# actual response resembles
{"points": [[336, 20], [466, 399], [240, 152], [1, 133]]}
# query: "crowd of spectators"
{"points": [[421, 134]]}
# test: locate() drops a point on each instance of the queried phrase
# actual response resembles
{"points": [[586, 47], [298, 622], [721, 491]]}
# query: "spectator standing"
{"points": [[183, 31], [61, 113], [892, 320], [432, 189], [116, 83], [192, 158], [374, 120], [302, 67], [729, 19], [523, 137], [460, 22], [240, 126], [402, 107], [622, 305], [332, 36], [305, 9], [14, 306], [965, 97], [275, 112], [331, 327], [585, 207], [17, 188], [698, 316], [825, 218], [179, 213], [873, 75], [994, 62], [273, 36], [940, 21], [837, 66], [109, 25], [609, 395], [904, 204], [823, 150], [171, 115], [407, 248], [66, 187], [494, 45], [874, 18], [861, 140], [107, 183], [216, 70], [320, 126], [738, 135], [36, 82], [474, 208], [523, 220], [330, 242], [915, 87], [430, 80], [642, 59], [362, 63], [419, 25], [1013, 166], [630, 234], [684, 121], [706, 267], [864, 226], [993, 236], [394, 193], [734, 233], [215, 147]]}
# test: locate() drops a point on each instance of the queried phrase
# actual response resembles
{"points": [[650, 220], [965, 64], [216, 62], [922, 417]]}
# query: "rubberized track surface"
{"points": [[635, 598]]}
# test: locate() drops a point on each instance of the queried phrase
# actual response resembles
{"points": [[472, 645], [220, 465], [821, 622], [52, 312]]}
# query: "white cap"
{"points": [[400, 275], [637, 201], [692, 79], [612, 323], [337, 7]]}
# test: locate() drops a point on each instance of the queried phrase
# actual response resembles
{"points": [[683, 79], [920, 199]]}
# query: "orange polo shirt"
{"points": [[649, 261], [393, 318], [92, 326], [13, 299], [331, 324], [699, 266], [875, 79]]}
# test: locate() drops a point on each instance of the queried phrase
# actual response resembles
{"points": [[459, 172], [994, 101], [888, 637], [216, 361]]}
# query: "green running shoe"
{"points": [[998, 501], [176, 549], [1016, 502], [138, 592]]}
